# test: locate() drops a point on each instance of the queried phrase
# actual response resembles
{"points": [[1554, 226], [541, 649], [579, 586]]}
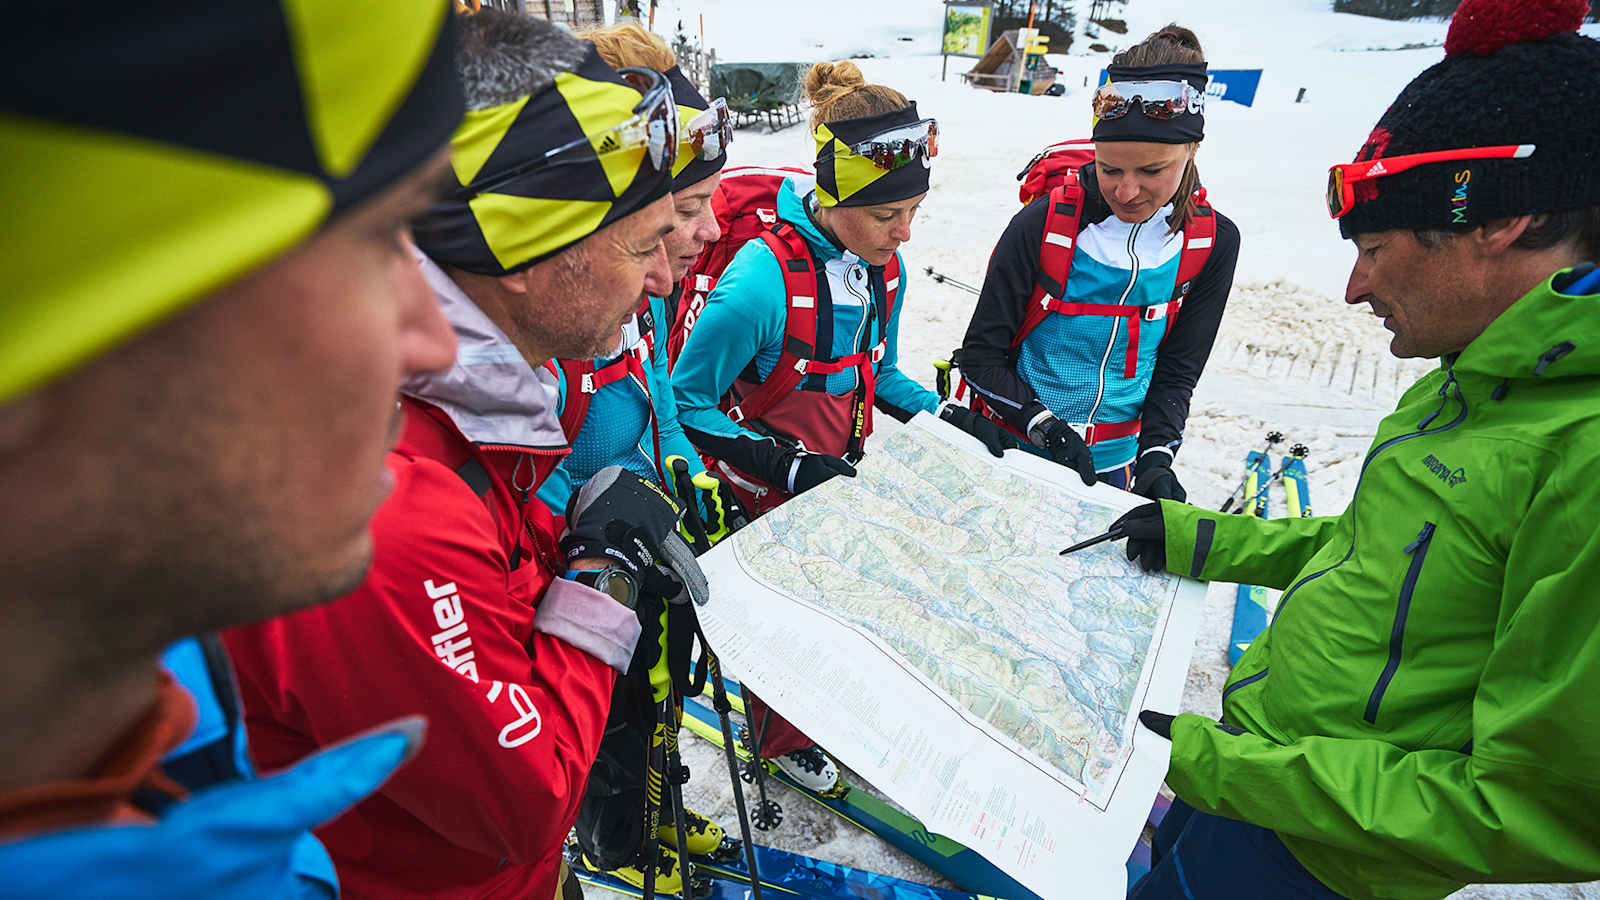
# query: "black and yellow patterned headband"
{"points": [[532, 217], [690, 169], [846, 179], [154, 154]]}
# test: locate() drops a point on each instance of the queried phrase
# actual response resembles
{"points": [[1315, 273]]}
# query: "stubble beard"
{"points": [[568, 324]]}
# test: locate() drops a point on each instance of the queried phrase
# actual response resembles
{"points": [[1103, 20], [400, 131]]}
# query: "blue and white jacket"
{"points": [[1072, 366]]}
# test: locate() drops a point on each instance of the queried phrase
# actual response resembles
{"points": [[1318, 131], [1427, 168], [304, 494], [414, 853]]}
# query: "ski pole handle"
{"points": [[727, 515], [683, 486]]}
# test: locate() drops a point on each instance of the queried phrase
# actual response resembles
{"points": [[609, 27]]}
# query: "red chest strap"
{"points": [[797, 359], [584, 380]]}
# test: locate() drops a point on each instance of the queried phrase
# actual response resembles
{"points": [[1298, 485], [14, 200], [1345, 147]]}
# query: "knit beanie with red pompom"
{"points": [[1514, 72]]}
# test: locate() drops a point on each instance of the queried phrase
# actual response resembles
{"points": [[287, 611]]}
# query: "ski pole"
{"points": [[675, 773], [719, 702], [941, 278], [719, 692], [1273, 438], [652, 822], [769, 814], [1298, 451]]}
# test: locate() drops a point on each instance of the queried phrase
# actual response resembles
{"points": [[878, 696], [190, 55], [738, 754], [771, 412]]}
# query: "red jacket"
{"points": [[463, 620]]}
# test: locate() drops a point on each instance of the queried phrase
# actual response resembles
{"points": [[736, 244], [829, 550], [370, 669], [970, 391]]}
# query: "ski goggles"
{"points": [[899, 146], [1343, 177], [653, 127], [1162, 101], [710, 131]]}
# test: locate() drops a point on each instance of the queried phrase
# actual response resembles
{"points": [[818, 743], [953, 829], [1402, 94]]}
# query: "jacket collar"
{"points": [[1545, 334], [491, 393]]}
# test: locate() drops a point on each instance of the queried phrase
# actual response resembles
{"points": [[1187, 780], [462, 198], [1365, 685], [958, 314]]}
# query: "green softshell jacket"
{"points": [[1424, 710]]}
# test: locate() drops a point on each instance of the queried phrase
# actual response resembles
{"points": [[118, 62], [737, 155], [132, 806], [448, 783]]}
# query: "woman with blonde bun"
{"points": [[798, 341]]}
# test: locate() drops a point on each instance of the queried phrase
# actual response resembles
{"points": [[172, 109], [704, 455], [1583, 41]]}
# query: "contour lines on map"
{"points": [[1049, 652]]}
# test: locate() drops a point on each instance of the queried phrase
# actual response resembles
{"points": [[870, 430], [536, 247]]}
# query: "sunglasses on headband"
{"points": [[900, 145], [1342, 177], [1159, 100], [710, 131], [653, 127]]}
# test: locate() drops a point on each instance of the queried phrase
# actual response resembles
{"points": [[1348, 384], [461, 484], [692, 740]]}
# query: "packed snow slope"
{"points": [[1290, 356]]}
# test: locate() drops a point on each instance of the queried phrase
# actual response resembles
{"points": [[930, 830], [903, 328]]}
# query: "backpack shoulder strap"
{"points": [[891, 287], [583, 380], [799, 327], [1062, 218], [1199, 233]]}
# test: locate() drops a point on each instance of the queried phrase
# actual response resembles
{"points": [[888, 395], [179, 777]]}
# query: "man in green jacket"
{"points": [[1424, 710]]}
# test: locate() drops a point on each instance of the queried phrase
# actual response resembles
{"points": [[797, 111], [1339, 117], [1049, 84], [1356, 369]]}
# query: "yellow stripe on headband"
{"points": [[134, 230], [479, 133], [851, 173], [518, 229], [599, 107]]}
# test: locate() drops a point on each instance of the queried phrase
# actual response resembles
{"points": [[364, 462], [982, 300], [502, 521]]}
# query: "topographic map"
{"points": [[955, 567]]}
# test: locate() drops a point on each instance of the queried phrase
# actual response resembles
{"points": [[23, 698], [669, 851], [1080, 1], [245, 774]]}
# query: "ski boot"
{"points": [[705, 838], [810, 768], [669, 873]]}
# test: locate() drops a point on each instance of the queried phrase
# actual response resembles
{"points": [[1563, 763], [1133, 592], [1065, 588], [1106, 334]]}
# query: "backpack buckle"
{"points": [[587, 383], [736, 415]]}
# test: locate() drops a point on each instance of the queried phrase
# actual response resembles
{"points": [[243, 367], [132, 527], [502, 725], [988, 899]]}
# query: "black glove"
{"points": [[1057, 438], [622, 518], [995, 438], [1160, 723], [1153, 478], [812, 470], [1147, 536]]}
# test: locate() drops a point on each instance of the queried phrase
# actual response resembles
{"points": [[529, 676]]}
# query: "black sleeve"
{"points": [[766, 459], [986, 360], [1183, 354]]}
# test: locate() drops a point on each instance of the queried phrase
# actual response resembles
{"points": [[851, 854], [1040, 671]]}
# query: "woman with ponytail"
{"points": [[797, 343], [1076, 341]]}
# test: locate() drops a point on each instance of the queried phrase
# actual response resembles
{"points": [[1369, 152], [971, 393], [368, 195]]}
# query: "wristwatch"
{"points": [[614, 581]]}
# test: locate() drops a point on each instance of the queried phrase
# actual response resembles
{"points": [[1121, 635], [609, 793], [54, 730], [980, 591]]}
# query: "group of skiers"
{"points": [[515, 229]]}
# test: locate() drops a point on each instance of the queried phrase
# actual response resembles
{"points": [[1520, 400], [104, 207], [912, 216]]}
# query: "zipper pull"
{"points": [[1422, 538]]}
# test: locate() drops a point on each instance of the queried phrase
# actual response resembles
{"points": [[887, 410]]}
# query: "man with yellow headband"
{"points": [[210, 306], [552, 233]]}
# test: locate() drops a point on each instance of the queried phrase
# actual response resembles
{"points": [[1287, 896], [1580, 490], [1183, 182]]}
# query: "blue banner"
{"points": [[1238, 85]]}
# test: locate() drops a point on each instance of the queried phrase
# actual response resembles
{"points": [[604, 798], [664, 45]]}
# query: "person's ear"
{"points": [[516, 282], [1496, 236]]}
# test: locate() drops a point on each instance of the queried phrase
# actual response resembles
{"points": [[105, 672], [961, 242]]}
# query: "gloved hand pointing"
{"points": [[1057, 438], [1147, 536]]}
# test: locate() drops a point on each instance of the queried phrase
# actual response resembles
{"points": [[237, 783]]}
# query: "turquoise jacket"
{"points": [[744, 320], [1423, 711]]}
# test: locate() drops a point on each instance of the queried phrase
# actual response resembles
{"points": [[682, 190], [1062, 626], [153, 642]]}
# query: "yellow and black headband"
{"points": [[149, 164], [691, 168], [847, 178], [564, 197]]}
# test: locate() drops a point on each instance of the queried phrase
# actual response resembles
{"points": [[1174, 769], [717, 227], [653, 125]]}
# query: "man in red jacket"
{"points": [[544, 249]]}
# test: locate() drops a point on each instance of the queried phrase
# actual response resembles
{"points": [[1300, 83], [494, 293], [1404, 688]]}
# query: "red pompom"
{"points": [[1480, 27]]}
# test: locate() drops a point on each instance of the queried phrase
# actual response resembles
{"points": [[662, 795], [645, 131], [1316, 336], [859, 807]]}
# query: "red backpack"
{"points": [[1054, 171], [745, 204]]}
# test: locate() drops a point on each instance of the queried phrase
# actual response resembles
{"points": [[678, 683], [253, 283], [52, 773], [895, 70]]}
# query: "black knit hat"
{"points": [[1514, 72]]}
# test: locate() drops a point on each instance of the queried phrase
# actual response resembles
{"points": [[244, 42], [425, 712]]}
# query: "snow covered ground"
{"points": [[1291, 356]]}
